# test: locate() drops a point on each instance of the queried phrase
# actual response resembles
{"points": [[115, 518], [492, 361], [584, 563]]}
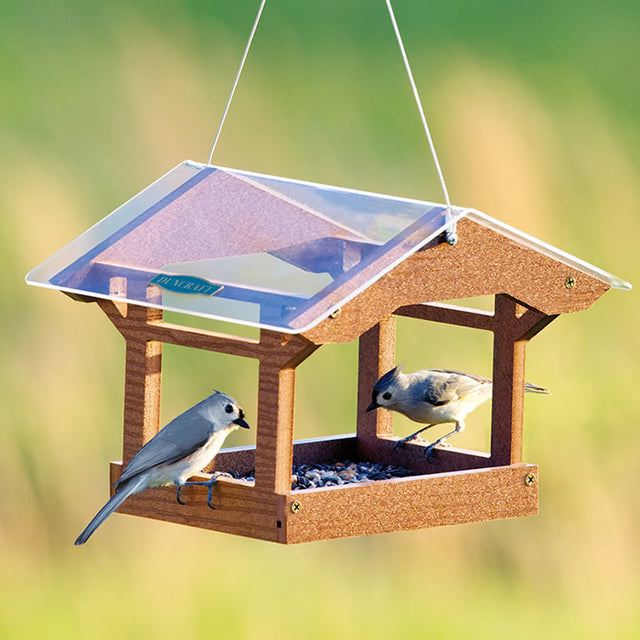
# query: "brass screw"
{"points": [[335, 314], [569, 282], [296, 505], [530, 479]]}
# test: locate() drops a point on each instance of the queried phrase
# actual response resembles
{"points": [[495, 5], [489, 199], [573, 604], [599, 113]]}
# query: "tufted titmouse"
{"points": [[183, 447], [433, 396]]}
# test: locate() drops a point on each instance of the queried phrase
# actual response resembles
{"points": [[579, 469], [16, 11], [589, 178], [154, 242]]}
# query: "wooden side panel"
{"points": [[411, 503], [483, 262], [412, 456], [343, 447], [240, 509], [348, 510]]}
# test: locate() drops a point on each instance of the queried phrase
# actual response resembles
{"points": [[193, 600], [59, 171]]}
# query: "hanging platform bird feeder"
{"points": [[310, 265]]}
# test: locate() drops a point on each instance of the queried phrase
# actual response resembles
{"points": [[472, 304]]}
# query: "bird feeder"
{"points": [[311, 265]]}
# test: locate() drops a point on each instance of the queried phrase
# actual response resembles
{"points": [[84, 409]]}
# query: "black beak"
{"points": [[241, 422], [372, 406]]}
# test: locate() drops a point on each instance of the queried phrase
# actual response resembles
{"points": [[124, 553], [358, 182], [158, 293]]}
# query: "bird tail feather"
{"points": [[113, 503], [534, 388]]}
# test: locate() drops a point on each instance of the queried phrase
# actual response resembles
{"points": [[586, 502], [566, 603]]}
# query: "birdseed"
{"points": [[315, 475]]}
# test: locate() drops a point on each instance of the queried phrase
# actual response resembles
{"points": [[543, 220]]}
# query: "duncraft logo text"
{"points": [[186, 284]]}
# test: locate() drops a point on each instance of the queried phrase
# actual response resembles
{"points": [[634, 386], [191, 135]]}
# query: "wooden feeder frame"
{"points": [[530, 287]]}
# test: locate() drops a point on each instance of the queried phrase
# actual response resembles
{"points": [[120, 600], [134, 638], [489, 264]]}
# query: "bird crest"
{"points": [[389, 377]]}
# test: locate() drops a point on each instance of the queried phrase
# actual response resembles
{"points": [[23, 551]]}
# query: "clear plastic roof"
{"points": [[244, 247]]}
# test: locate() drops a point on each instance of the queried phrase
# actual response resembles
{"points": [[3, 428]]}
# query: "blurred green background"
{"points": [[534, 110]]}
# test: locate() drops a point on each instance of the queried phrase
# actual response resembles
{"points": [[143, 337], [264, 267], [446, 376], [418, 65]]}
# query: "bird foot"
{"points": [[429, 451], [206, 483], [399, 444]]}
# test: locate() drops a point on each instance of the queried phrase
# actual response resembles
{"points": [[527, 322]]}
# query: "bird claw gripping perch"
{"points": [[206, 483]]}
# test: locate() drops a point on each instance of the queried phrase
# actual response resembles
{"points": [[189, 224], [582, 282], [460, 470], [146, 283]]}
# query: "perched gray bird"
{"points": [[433, 396], [183, 447]]}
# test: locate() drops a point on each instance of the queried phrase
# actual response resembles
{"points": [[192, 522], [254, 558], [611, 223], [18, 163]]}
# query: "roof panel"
{"points": [[282, 254], [557, 254]]}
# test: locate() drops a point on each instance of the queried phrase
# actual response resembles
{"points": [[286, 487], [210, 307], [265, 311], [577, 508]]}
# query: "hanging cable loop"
{"points": [[450, 233]]}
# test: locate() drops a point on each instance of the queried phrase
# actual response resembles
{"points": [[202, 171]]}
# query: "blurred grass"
{"points": [[534, 111]]}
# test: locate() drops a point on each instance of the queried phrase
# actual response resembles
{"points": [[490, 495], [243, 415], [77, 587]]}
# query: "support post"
{"points": [[376, 356], [143, 369], [507, 408], [274, 438], [280, 354], [515, 324]]}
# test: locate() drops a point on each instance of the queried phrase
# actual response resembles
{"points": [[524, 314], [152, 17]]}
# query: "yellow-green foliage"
{"points": [[533, 107]]}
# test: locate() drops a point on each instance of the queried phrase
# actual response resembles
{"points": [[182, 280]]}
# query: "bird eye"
{"points": [[229, 408], [386, 395]]}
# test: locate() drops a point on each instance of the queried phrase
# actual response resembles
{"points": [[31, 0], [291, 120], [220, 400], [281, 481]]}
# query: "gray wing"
{"points": [[444, 386], [179, 438]]}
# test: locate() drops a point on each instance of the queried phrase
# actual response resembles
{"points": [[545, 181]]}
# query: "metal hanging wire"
{"points": [[235, 82], [450, 233]]}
